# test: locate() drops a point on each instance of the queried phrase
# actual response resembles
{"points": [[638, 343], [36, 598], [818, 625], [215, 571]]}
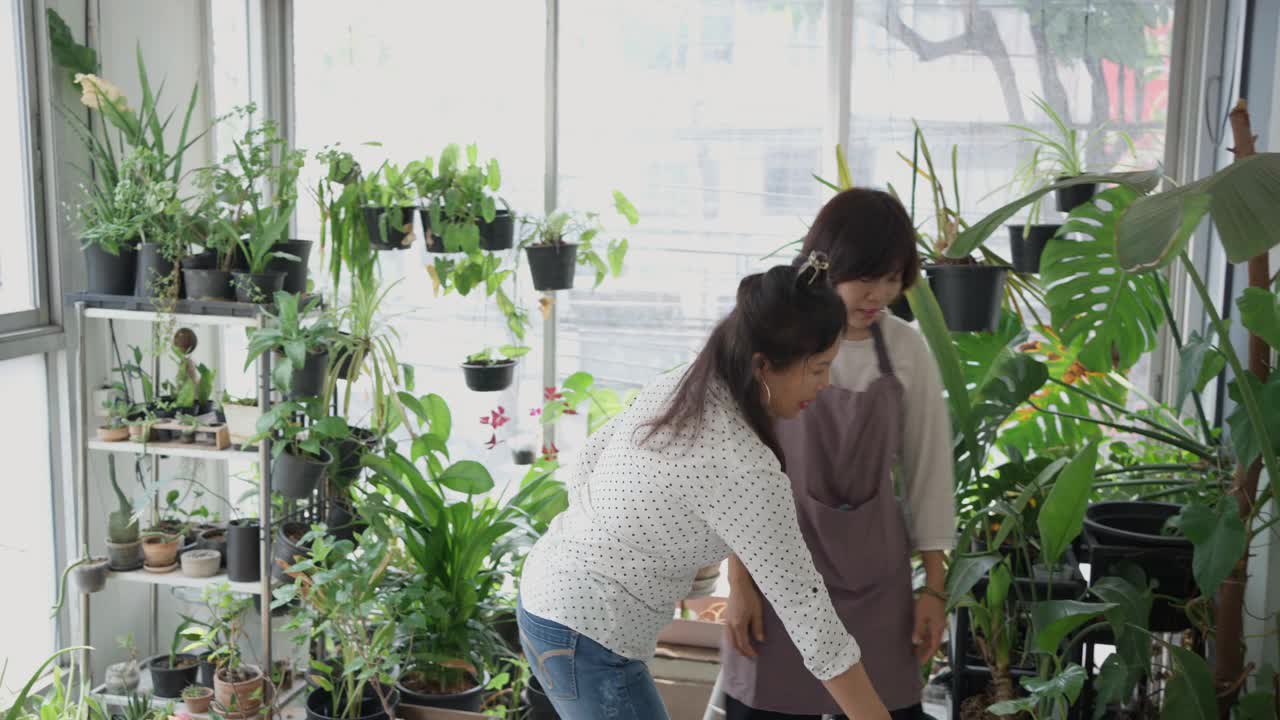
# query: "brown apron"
{"points": [[840, 456]]}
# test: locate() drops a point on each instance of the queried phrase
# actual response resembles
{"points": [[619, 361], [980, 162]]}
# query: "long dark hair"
{"points": [[786, 314], [867, 234]]}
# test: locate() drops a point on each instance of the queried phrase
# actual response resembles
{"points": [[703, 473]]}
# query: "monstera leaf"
{"points": [[1118, 314], [1012, 379], [1241, 199]]}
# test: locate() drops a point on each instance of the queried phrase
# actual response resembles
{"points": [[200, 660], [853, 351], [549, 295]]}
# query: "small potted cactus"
{"points": [[124, 548]]}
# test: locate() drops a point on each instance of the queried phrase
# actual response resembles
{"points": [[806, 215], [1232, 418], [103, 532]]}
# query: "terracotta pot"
{"points": [[110, 434], [239, 697], [200, 703], [160, 551]]}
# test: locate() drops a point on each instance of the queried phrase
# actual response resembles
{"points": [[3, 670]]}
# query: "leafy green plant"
{"points": [[223, 633], [256, 189], [497, 356], [301, 427], [458, 197], [122, 523], [339, 195], [1062, 155], [291, 336], [366, 348], [60, 701], [390, 187], [563, 227], [349, 600]]}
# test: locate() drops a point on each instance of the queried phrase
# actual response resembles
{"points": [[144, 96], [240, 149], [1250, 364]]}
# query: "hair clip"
{"points": [[818, 262]]}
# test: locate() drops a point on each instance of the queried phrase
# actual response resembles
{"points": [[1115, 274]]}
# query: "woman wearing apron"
{"points": [[884, 412]]}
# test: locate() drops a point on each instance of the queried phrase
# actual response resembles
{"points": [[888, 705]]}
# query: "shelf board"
{"points": [[173, 449], [183, 312], [290, 706], [177, 579]]}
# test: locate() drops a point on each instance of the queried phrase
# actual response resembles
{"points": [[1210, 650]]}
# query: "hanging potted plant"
{"points": [[390, 198], [299, 452], [1061, 158], [340, 593], [461, 213], [339, 196], [492, 369], [301, 350], [562, 240]]}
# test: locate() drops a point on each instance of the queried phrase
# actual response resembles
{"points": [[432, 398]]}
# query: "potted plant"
{"points": [[450, 648], [160, 551], [140, 425], [300, 453], [124, 548], [461, 213], [116, 428], [201, 563], [301, 350], [339, 596], [174, 671], [197, 698], [292, 545], [190, 425], [390, 199], [238, 688], [492, 369], [556, 244], [243, 550], [90, 576], [242, 418], [339, 196], [366, 350], [122, 677]]}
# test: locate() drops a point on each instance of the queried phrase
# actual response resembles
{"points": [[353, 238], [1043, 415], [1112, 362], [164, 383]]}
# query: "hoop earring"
{"points": [[768, 395]]}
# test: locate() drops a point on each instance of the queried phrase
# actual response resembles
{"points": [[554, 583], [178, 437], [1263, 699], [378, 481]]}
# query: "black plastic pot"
{"points": [[169, 682], [434, 240], [552, 266], [205, 676], [342, 522], [1027, 242], [214, 539], [257, 287], [489, 378], [1131, 532], [153, 271], [902, 309], [499, 234], [243, 558], [295, 271], [285, 552], [308, 380], [296, 476], [206, 260], [1070, 198], [207, 285], [969, 295], [471, 700], [346, 466], [399, 236], [343, 359], [110, 274], [320, 706], [1133, 524], [537, 703]]}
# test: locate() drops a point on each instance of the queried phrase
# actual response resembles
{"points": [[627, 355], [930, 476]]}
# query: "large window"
{"points": [[22, 265]]}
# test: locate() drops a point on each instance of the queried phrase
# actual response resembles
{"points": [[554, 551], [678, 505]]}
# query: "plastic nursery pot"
{"points": [[296, 476], [240, 693], [489, 377], [969, 295], [206, 284], [346, 464], [295, 271], [160, 552], [169, 681], [434, 240], [287, 550], [537, 703], [91, 576], [552, 266], [243, 558], [200, 563], [214, 539], [385, 233], [123, 557], [499, 234], [256, 287], [153, 272], [1070, 198], [414, 692], [308, 380], [111, 274], [197, 698], [320, 705], [1027, 243], [113, 434]]}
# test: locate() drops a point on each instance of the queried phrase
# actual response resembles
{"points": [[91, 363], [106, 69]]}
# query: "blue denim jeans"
{"points": [[582, 678]]}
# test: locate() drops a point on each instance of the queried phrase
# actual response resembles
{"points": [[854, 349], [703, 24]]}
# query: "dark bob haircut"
{"points": [[866, 234]]}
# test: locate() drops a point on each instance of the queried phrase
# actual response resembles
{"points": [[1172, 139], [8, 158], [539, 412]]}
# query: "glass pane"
{"points": [[710, 117], [17, 259], [415, 77], [26, 538]]}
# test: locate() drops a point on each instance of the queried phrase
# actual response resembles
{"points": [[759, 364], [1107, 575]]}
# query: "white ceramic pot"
{"points": [[242, 421], [201, 563]]}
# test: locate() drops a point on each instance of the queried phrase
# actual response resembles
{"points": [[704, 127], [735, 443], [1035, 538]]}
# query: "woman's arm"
{"points": [[744, 615], [853, 693]]}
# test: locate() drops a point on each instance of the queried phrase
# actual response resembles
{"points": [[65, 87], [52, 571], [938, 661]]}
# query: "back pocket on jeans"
{"points": [[550, 648]]}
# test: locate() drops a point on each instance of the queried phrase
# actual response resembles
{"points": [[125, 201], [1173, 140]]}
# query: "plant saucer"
{"points": [[160, 570], [136, 566]]}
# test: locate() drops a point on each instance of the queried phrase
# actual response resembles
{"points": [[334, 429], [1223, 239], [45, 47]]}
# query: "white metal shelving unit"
{"points": [[216, 314]]}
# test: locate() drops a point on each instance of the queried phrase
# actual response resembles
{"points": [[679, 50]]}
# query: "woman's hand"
{"points": [[744, 618], [931, 618], [854, 694]]}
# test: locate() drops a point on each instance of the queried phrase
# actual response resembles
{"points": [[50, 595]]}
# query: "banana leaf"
{"points": [[977, 233], [1243, 199]]}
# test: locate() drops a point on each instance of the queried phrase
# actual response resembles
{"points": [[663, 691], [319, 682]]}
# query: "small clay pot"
{"points": [[201, 563], [198, 703], [113, 434], [160, 551], [139, 432], [243, 697]]}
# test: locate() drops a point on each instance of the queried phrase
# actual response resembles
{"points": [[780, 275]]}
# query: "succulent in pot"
{"points": [[492, 369]]}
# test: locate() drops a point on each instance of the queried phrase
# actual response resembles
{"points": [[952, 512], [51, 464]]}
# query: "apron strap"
{"points": [[882, 352]]}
